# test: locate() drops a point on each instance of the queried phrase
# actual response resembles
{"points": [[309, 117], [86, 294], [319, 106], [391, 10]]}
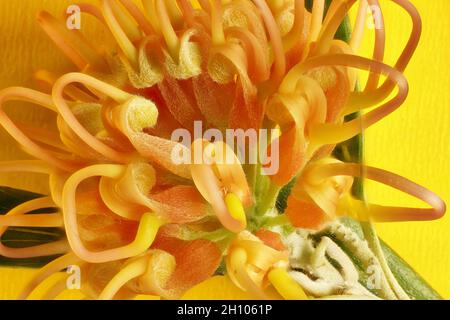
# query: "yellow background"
{"points": [[413, 142]]}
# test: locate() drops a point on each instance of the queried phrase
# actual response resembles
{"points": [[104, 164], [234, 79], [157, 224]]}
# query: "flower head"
{"points": [[159, 226]]}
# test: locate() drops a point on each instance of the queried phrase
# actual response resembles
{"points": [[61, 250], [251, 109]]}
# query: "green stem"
{"points": [[269, 201], [372, 239], [279, 220]]}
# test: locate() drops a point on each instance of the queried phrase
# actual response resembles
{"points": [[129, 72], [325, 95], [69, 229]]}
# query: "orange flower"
{"points": [[159, 226]]}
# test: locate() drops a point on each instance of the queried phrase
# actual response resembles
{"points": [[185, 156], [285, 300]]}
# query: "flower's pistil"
{"points": [[322, 193], [219, 177], [253, 266]]}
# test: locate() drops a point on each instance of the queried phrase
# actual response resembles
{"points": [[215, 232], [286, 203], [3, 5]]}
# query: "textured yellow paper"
{"points": [[413, 142]]}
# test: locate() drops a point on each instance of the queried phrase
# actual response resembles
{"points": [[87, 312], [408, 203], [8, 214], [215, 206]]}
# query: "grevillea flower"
{"points": [[138, 222]]}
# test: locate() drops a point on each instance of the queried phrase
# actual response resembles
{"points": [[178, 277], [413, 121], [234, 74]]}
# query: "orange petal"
{"points": [[90, 203], [292, 156], [181, 204], [337, 96], [271, 239], [196, 261], [100, 232], [305, 214], [179, 98], [166, 122], [246, 112], [213, 99], [294, 55], [170, 231], [159, 151]]}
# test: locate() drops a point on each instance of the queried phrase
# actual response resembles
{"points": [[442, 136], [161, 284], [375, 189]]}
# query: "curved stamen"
{"points": [[43, 136], [362, 100], [131, 271], [140, 18], [316, 20], [295, 34], [336, 14], [76, 94], [42, 220], [125, 20], [329, 133], [71, 42], [31, 166], [48, 270], [276, 5], [175, 14], [205, 179], [313, 93], [218, 35], [360, 25], [56, 289], [119, 34], [238, 261], [149, 8], [145, 235], [187, 11], [28, 95], [259, 69], [237, 63], [48, 249], [205, 5], [380, 39], [129, 26], [92, 10], [250, 260], [131, 196], [70, 119], [276, 41], [410, 47], [167, 30], [385, 213], [127, 196]]}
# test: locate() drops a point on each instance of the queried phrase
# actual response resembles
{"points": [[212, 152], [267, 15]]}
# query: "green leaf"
{"points": [[281, 203], [16, 237], [414, 285]]}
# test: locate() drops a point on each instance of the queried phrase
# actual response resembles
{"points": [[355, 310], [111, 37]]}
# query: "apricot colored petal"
{"points": [[246, 112], [292, 156], [196, 261], [271, 239], [159, 151], [213, 99], [305, 214], [337, 96], [181, 204], [166, 123], [90, 202], [179, 98]]}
